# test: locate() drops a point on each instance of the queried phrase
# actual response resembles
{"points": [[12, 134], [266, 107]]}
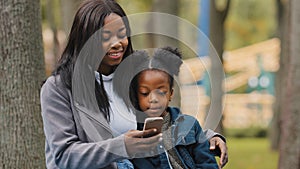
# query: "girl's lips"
{"points": [[154, 110]]}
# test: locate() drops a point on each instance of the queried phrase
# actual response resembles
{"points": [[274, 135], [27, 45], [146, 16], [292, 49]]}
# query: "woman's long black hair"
{"points": [[89, 19]]}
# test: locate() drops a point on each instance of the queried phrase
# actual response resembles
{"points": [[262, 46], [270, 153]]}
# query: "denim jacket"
{"points": [[190, 142]]}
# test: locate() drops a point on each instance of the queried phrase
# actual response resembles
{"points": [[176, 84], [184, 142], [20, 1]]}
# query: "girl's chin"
{"points": [[153, 114]]}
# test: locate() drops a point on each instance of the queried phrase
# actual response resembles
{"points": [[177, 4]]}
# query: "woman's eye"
{"points": [[144, 93], [122, 35], [105, 38]]}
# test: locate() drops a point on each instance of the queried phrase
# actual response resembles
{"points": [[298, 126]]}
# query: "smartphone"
{"points": [[153, 122]]}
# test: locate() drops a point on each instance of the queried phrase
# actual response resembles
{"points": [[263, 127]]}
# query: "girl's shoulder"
{"points": [[176, 113]]}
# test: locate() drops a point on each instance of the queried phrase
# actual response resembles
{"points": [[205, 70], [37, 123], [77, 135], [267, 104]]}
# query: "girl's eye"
{"points": [[161, 92]]}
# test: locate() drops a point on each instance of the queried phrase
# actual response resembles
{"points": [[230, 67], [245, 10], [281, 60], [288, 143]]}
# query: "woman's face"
{"points": [[154, 92], [114, 42]]}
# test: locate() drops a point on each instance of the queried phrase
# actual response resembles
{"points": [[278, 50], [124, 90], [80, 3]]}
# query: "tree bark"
{"points": [[216, 36], [170, 7], [53, 26], [68, 10], [155, 41], [274, 129], [21, 74], [290, 109]]}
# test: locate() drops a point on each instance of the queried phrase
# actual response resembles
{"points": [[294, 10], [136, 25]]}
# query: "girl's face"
{"points": [[114, 42], [154, 92]]}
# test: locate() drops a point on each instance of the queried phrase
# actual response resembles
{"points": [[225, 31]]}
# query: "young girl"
{"points": [[151, 90]]}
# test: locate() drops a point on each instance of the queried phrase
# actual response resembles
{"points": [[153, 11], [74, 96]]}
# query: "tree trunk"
{"points": [[68, 10], [216, 36], [56, 46], [290, 108], [21, 74], [170, 7], [274, 129], [155, 41]]}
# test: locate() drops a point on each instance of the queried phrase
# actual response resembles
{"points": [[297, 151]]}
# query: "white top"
{"points": [[121, 119]]}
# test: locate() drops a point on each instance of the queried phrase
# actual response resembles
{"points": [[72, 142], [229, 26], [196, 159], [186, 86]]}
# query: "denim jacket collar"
{"points": [[183, 134]]}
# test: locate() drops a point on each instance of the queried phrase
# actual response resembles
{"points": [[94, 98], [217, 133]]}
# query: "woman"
{"points": [[75, 136]]}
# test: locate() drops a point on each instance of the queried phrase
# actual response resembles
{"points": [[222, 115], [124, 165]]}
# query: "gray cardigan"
{"points": [[68, 143]]}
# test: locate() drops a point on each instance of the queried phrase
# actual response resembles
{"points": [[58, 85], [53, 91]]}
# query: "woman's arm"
{"points": [[64, 144], [217, 145], [62, 139]]}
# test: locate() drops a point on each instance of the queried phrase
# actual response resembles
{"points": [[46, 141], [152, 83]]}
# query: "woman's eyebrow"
{"points": [[121, 29], [106, 31]]}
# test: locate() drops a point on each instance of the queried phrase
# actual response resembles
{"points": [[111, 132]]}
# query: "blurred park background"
{"points": [[256, 41]]}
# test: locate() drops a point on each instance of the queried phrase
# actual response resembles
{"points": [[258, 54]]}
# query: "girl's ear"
{"points": [[171, 95]]}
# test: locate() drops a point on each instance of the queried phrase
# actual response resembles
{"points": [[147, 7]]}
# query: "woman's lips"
{"points": [[115, 55]]}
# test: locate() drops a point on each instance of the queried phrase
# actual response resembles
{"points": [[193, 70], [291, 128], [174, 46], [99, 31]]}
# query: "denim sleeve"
{"points": [[200, 152]]}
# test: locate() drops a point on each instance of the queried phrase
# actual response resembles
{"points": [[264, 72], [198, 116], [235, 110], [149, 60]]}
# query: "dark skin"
{"points": [[219, 143]]}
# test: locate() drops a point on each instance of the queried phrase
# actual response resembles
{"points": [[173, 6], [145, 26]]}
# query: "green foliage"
{"points": [[246, 132], [135, 6], [250, 153], [48, 8], [250, 21]]}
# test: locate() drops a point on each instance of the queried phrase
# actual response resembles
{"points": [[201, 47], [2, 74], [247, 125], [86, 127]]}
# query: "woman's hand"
{"points": [[137, 146], [218, 142]]}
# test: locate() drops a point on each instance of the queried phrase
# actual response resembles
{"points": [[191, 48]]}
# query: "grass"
{"points": [[250, 153]]}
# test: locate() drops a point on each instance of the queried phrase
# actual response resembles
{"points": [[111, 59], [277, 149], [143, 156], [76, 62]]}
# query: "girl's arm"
{"points": [[201, 153]]}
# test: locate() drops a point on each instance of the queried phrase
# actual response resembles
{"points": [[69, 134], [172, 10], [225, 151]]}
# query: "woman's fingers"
{"points": [[135, 144], [217, 142]]}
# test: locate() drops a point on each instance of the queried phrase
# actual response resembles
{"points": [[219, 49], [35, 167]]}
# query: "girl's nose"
{"points": [[153, 98]]}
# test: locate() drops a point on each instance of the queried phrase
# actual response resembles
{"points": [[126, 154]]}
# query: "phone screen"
{"points": [[153, 122]]}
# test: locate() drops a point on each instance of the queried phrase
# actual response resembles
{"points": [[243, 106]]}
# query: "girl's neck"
{"points": [[164, 114]]}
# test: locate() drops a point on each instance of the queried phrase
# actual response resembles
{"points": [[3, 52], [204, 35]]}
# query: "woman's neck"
{"points": [[105, 70]]}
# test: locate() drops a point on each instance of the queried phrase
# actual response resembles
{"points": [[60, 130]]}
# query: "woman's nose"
{"points": [[116, 44]]}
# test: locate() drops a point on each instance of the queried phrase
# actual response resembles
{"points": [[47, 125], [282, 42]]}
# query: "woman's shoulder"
{"points": [[53, 80], [54, 84]]}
